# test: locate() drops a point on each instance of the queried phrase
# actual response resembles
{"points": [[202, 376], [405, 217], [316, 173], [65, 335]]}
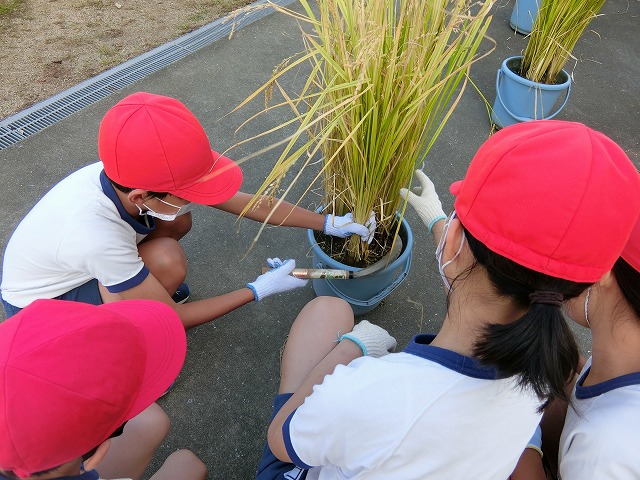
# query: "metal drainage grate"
{"points": [[46, 113]]}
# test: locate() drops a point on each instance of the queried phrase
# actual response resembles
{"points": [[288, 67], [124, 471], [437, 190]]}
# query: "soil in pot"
{"points": [[334, 247]]}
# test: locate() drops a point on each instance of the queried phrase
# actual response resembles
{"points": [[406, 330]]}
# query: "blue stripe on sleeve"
{"points": [[289, 446], [132, 282]]}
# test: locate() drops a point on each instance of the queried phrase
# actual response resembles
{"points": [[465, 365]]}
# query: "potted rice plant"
{"points": [[382, 81], [523, 15], [528, 86]]}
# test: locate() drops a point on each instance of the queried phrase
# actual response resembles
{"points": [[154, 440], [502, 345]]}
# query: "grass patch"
{"points": [[109, 55], [7, 7]]}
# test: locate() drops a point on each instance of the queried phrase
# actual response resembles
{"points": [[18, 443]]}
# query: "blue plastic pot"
{"points": [[365, 293], [521, 100], [523, 15]]}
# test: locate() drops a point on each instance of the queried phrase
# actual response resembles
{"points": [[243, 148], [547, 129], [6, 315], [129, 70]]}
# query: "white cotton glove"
{"points": [[277, 280], [426, 203], [374, 341], [345, 226]]}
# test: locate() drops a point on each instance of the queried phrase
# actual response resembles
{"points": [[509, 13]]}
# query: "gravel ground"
{"points": [[51, 45]]}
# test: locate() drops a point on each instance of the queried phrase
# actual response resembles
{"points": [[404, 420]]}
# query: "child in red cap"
{"points": [[543, 213], [600, 424], [72, 375], [112, 228], [600, 435]]}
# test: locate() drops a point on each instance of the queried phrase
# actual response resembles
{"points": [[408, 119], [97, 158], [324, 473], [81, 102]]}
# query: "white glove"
{"points": [[277, 280], [426, 203], [345, 226], [374, 341]]}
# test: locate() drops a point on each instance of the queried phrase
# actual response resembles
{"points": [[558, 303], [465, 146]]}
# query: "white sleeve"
{"points": [[334, 424], [606, 448], [109, 256]]}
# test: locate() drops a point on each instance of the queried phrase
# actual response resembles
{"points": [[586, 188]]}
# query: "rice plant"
{"points": [[557, 28], [383, 77]]}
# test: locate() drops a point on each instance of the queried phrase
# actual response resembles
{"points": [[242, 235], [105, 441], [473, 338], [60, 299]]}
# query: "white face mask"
{"points": [[440, 250], [167, 217]]}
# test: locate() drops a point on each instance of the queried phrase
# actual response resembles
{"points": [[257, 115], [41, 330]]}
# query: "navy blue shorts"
{"points": [[270, 467], [85, 293]]}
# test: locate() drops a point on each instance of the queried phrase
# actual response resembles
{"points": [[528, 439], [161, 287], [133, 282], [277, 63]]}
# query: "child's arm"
{"points": [[202, 311], [365, 338], [342, 354], [529, 467], [286, 214], [289, 215]]}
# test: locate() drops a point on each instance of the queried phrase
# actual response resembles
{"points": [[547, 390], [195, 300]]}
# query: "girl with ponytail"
{"points": [[600, 435], [543, 212]]}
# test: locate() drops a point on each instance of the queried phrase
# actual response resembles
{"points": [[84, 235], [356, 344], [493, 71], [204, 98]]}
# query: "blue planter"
{"points": [[523, 15], [521, 100], [365, 293]]}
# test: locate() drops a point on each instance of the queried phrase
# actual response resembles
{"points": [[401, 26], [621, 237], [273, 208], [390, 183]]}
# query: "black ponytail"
{"points": [[539, 347]]}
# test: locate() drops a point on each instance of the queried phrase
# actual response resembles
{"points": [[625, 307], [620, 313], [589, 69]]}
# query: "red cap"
{"points": [[554, 196], [631, 252], [153, 142], [72, 373]]}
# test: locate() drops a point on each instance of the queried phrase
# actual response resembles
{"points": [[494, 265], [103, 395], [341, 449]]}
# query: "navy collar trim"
{"points": [[420, 346], [583, 393], [110, 192]]}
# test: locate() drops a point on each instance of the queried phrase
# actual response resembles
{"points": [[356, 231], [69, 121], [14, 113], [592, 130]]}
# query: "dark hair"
{"points": [[628, 279], [538, 347], [124, 189]]}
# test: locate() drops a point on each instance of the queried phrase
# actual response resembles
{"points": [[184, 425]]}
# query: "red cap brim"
{"points": [[217, 186], [455, 187]]}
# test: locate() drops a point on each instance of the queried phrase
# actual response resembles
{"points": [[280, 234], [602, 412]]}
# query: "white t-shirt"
{"points": [[425, 413], [77, 232], [601, 432]]}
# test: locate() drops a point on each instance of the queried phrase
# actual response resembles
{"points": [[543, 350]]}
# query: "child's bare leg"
{"points": [[166, 260], [163, 255], [313, 335], [130, 453], [184, 465]]}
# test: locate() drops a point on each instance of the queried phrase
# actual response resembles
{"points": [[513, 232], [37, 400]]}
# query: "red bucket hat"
{"points": [[554, 196], [154, 142], [631, 252], [72, 373]]}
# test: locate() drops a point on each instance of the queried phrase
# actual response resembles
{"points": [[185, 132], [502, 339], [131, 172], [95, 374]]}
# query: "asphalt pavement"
{"points": [[221, 402]]}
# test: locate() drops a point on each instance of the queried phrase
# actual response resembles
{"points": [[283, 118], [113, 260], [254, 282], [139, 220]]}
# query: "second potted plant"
{"points": [[529, 86], [523, 15]]}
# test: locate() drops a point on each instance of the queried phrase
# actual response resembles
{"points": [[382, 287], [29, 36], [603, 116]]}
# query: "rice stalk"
{"points": [[382, 77], [554, 34]]}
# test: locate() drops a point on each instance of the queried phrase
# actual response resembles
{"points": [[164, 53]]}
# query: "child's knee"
{"points": [[182, 464], [334, 309], [152, 423], [189, 462], [164, 255]]}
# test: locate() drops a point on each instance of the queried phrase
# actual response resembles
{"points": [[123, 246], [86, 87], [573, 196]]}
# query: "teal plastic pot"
{"points": [[521, 100], [523, 15], [365, 293]]}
